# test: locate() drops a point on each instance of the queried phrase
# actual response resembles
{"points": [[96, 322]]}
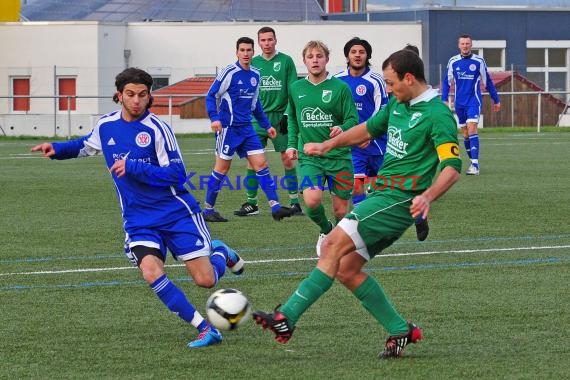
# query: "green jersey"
{"points": [[422, 134], [315, 108], [276, 76]]}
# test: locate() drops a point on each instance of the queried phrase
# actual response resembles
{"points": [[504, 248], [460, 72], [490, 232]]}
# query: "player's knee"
{"points": [[340, 211], [329, 249], [288, 164], [344, 277], [312, 202], [150, 275], [204, 280]]}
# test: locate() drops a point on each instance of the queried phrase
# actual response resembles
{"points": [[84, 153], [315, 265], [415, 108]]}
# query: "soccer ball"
{"points": [[228, 308]]}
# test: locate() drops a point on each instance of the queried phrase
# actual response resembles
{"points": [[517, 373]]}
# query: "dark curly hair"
{"points": [[132, 75]]}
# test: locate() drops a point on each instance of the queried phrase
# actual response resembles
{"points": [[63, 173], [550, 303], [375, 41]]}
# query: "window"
{"points": [[66, 87], [547, 65], [557, 57], [159, 82], [493, 52], [535, 58], [494, 58], [20, 87]]}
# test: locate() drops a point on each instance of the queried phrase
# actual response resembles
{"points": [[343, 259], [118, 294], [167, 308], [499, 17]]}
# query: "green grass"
{"points": [[489, 287]]}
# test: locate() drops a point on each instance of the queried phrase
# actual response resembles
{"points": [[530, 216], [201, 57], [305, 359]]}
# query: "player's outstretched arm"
{"points": [[353, 136], [46, 149]]}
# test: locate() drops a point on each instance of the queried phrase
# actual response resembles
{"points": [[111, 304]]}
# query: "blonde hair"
{"points": [[315, 44]]}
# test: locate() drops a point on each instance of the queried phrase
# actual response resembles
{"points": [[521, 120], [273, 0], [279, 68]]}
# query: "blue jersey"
{"points": [[237, 91], [468, 73], [369, 93], [151, 193]]}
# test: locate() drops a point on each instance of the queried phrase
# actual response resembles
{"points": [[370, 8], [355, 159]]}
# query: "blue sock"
{"points": [[467, 146], [356, 199], [218, 259], [213, 188], [268, 186], [474, 144], [176, 301]]}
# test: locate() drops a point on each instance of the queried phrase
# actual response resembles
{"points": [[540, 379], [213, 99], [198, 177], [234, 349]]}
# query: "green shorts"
{"points": [[280, 141], [378, 221], [336, 175]]}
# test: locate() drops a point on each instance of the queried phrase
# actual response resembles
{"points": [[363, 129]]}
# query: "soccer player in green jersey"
{"points": [[320, 107], [277, 72], [422, 136]]}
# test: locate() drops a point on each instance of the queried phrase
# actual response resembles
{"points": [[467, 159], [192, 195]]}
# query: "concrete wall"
{"points": [[188, 49], [95, 52]]}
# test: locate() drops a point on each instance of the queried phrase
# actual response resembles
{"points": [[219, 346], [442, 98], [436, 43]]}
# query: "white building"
{"points": [[81, 58]]}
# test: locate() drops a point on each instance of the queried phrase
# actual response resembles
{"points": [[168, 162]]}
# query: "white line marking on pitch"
{"points": [[94, 270]]}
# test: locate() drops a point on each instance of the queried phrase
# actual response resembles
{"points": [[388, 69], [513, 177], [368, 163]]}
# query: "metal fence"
{"points": [[53, 121]]}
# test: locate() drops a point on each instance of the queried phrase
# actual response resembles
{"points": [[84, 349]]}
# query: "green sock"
{"points": [[318, 216], [308, 291], [291, 184], [251, 186], [373, 298]]}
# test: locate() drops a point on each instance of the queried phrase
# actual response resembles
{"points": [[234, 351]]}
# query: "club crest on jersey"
{"points": [[143, 139], [253, 81], [276, 66], [414, 119], [360, 90], [472, 67], [327, 96]]}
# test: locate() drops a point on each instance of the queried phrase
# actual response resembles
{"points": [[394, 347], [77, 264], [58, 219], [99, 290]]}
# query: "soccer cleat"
{"points": [[422, 229], [233, 260], [276, 322], [395, 345], [247, 209], [296, 210], [214, 217], [282, 212], [208, 337], [473, 170], [320, 242]]}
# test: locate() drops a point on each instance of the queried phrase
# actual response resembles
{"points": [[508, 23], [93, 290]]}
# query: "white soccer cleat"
{"points": [[319, 243], [473, 170]]}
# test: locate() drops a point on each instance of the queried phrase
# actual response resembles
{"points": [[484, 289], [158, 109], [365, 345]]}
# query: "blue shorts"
{"points": [[186, 238], [366, 165], [467, 114], [240, 140]]}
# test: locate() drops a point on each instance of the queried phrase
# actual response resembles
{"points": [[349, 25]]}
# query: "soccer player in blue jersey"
{"points": [[370, 95], [143, 158], [230, 102], [468, 71]]}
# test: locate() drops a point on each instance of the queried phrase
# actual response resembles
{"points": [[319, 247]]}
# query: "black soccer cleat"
{"points": [[395, 345], [276, 322], [296, 210], [214, 217], [282, 212], [247, 209], [422, 229]]}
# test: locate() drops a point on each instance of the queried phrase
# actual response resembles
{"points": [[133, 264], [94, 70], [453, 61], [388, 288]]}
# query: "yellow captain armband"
{"points": [[447, 151]]}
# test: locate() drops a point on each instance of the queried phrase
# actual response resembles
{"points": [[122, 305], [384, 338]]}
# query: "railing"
{"points": [[70, 122]]}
